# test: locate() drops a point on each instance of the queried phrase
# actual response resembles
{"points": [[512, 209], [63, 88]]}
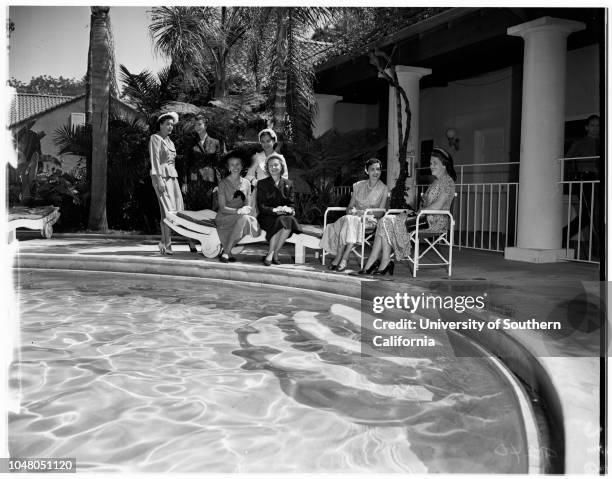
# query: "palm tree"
{"points": [[293, 77], [100, 66], [194, 37]]}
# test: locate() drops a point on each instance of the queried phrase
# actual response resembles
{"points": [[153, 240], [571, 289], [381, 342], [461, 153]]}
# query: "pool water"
{"points": [[153, 374]]}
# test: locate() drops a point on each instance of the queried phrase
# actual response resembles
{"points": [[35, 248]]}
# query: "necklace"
{"points": [[235, 183], [370, 188]]}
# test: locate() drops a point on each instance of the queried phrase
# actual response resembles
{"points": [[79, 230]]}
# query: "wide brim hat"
{"points": [[171, 114]]}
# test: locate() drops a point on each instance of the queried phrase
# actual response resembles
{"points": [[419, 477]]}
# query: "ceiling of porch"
{"points": [[456, 44]]}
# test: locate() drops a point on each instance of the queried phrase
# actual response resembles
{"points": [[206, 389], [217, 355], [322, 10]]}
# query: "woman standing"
{"points": [[275, 199], [233, 219], [268, 141], [339, 237], [393, 231], [162, 154]]}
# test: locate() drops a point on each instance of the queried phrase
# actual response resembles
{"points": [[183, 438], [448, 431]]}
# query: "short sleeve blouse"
{"points": [[441, 186]]}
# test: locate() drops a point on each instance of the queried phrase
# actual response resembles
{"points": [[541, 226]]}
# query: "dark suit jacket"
{"points": [[270, 196], [199, 156]]}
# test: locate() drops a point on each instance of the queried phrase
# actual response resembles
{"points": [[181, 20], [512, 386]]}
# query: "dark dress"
{"points": [[270, 196]]}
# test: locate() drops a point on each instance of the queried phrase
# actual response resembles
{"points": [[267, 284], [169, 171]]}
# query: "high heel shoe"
{"points": [[341, 267], [371, 269], [388, 269], [162, 248]]}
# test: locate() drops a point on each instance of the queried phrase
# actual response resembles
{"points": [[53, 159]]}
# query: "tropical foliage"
{"points": [[131, 202], [355, 30], [292, 76], [244, 50], [147, 91], [200, 41], [337, 158]]}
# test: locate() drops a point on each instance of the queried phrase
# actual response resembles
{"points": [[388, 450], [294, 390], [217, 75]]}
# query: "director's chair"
{"points": [[432, 239]]}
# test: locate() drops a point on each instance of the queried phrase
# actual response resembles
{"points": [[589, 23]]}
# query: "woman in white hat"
{"points": [[258, 170], [164, 176]]}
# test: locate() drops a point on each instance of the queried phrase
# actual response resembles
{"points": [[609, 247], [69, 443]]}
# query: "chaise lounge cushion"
{"points": [[25, 213], [204, 217]]}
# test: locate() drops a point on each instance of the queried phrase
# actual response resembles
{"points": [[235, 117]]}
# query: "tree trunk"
{"points": [[100, 95], [280, 96], [220, 79], [386, 70], [88, 112]]}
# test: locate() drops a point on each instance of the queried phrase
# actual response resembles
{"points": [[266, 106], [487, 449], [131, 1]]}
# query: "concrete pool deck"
{"points": [[566, 368]]}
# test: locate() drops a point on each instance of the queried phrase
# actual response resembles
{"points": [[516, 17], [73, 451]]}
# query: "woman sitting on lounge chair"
{"points": [[275, 201], [339, 237], [393, 230], [233, 220]]}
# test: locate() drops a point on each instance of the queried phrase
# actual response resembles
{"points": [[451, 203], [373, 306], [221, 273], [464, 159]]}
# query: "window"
{"points": [[76, 119]]}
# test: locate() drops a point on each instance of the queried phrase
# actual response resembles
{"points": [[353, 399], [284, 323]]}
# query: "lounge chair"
{"points": [[199, 225], [39, 218]]}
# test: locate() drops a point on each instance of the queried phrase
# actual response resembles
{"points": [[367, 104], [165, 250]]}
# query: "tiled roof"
{"points": [[314, 51], [28, 105]]}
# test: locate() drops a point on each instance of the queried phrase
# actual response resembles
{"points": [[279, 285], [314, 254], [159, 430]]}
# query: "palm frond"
{"points": [[176, 31], [141, 89], [73, 141]]}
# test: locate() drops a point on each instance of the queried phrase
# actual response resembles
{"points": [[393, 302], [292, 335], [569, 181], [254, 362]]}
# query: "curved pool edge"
{"points": [[521, 366]]}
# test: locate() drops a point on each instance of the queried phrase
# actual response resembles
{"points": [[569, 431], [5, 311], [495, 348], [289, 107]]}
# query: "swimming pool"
{"points": [[152, 374]]}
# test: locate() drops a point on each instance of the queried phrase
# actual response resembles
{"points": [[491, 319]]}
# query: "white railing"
{"points": [[581, 236], [485, 212], [485, 215], [585, 160]]}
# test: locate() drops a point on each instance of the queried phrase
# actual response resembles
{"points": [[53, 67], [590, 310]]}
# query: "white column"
{"points": [[542, 129], [324, 119], [409, 78]]}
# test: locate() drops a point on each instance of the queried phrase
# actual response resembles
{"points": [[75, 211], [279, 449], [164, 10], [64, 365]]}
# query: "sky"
{"points": [[54, 41]]}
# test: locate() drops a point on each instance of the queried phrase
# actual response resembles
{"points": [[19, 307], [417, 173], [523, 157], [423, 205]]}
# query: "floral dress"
{"points": [[395, 232]]}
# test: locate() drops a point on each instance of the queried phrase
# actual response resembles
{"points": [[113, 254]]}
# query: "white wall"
{"points": [[52, 121], [469, 105], [59, 117], [483, 102], [355, 116]]}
